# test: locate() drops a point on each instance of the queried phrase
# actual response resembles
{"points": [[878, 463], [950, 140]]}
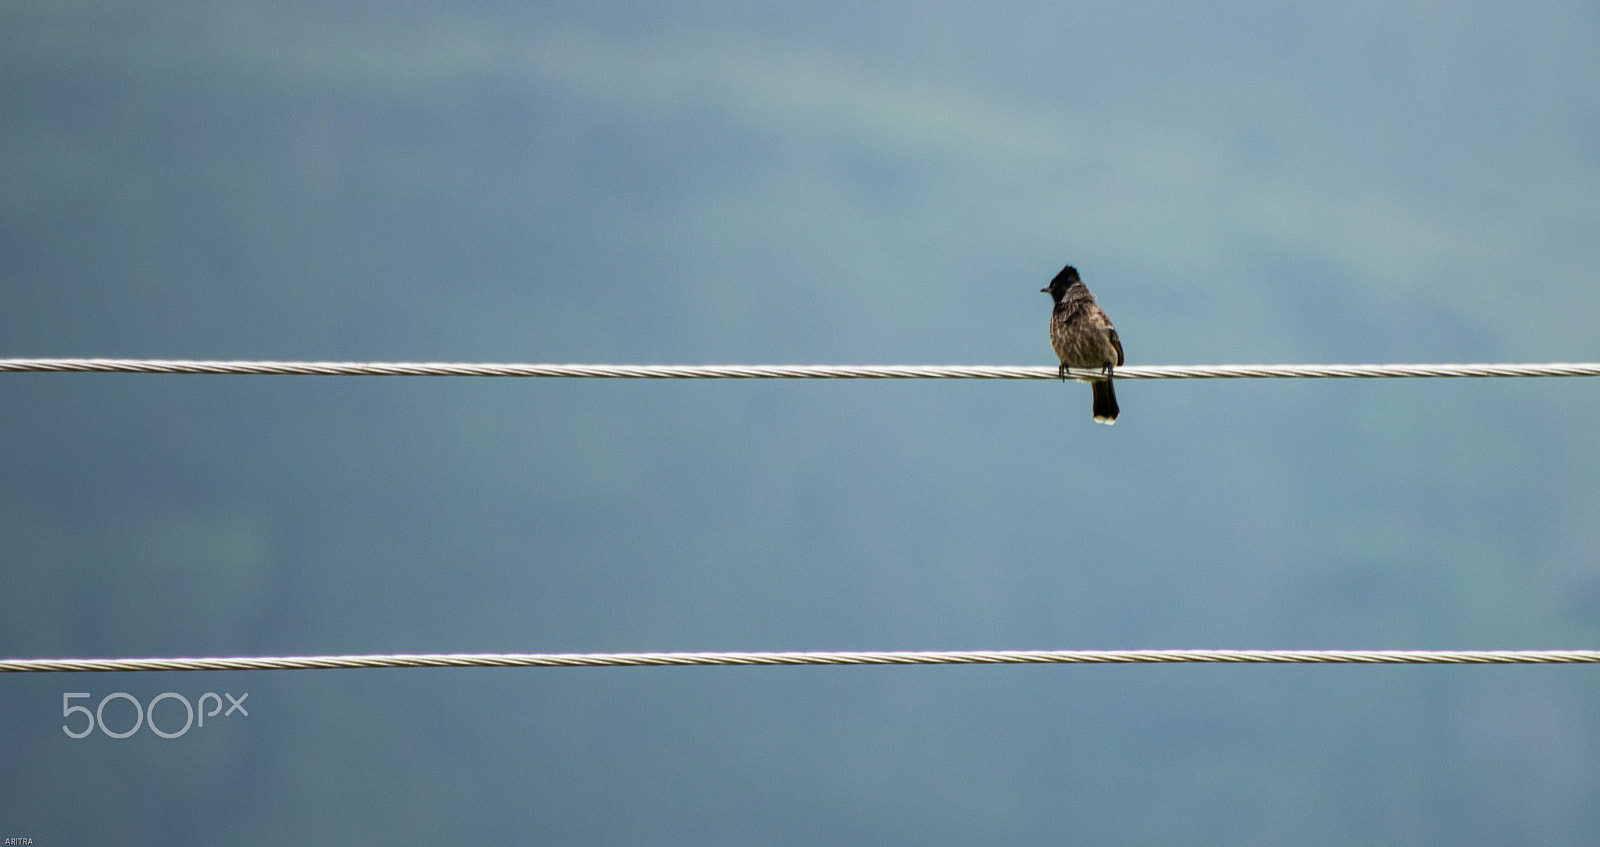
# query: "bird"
{"points": [[1083, 337]]}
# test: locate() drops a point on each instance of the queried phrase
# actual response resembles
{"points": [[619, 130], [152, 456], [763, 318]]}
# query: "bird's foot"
{"points": [[1062, 372]]}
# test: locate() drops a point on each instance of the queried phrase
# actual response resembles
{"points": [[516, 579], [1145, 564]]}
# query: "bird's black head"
{"points": [[1064, 280]]}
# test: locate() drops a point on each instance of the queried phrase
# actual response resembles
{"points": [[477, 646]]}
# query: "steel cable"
{"points": [[185, 366], [970, 657]]}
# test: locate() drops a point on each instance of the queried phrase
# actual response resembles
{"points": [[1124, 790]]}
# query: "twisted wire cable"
{"points": [[970, 657], [185, 366]]}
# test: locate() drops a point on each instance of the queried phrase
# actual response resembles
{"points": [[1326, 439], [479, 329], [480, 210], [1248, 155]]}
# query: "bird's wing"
{"points": [[1116, 342]]}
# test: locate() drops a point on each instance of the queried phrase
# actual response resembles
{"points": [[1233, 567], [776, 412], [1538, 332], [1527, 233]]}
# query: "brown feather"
{"points": [[1084, 338]]}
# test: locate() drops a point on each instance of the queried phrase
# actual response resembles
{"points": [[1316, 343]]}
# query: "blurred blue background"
{"points": [[800, 183]]}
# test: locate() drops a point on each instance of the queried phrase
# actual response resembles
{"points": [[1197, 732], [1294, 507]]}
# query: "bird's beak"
{"points": [[1044, 291]]}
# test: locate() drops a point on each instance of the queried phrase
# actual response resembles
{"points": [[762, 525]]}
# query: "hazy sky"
{"points": [[812, 183]]}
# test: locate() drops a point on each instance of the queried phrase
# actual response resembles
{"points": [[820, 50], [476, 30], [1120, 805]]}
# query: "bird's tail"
{"points": [[1105, 401]]}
